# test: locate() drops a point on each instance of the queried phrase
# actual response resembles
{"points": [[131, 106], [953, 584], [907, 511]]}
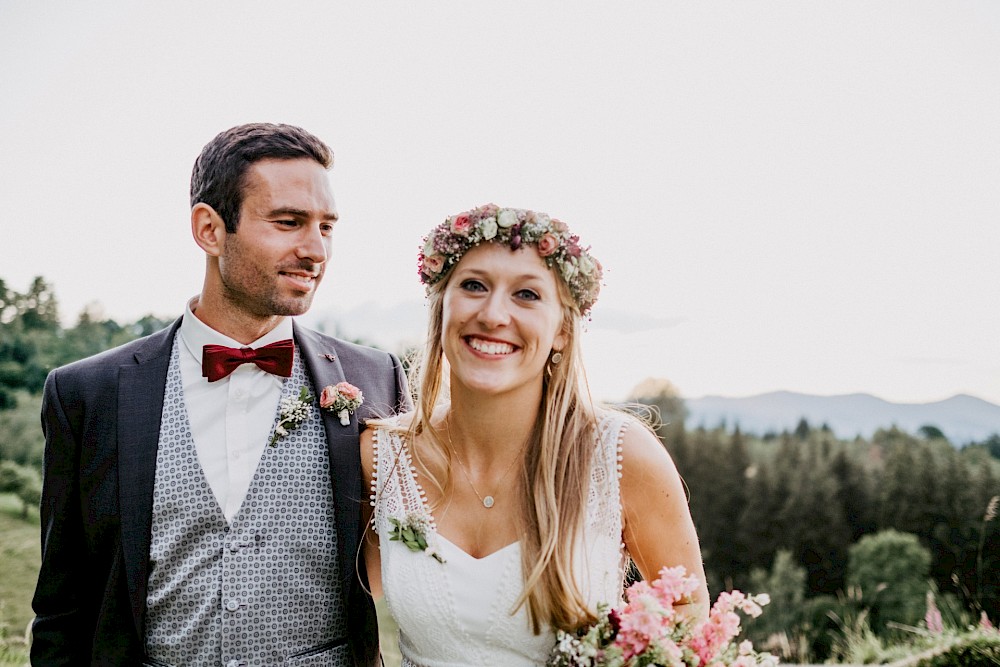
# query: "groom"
{"points": [[199, 506]]}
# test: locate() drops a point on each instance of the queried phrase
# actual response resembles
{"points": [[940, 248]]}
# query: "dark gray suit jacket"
{"points": [[101, 418]]}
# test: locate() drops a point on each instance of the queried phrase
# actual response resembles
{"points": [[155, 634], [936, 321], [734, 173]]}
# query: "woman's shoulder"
{"points": [[635, 440], [392, 424], [378, 433], [624, 426]]}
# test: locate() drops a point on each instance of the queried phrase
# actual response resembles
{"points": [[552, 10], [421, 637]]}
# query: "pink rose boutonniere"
{"points": [[342, 399]]}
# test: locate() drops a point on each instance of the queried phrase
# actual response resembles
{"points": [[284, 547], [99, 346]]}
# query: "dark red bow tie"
{"points": [[218, 361]]}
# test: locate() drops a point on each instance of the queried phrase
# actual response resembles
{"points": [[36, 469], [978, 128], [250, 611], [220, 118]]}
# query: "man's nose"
{"points": [[313, 244]]}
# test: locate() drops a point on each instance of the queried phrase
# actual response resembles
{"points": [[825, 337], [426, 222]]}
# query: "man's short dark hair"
{"points": [[219, 177]]}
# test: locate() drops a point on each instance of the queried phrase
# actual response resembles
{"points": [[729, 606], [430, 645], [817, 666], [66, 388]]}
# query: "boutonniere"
{"points": [[292, 413], [342, 399], [412, 531]]}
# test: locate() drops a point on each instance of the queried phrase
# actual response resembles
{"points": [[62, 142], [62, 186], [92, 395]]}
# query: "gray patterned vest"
{"points": [[263, 590]]}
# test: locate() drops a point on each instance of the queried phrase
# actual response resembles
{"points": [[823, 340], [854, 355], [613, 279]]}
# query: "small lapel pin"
{"points": [[329, 357]]}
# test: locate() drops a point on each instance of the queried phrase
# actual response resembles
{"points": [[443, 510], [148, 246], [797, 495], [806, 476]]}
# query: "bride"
{"points": [[507, 504]]}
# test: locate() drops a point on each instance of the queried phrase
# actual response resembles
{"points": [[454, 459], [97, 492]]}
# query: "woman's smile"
{"points": [[490, 348]]}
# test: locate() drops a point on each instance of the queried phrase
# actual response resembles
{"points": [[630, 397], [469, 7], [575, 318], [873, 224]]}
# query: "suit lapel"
{"points": [[321, 360], [140, 403]]}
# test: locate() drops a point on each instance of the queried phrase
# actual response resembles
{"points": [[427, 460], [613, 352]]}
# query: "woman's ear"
{"points": [[563, 337], [208, 229], [560, 341]]}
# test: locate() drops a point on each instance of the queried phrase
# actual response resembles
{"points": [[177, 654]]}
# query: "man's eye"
{"points": [[286, 223]]}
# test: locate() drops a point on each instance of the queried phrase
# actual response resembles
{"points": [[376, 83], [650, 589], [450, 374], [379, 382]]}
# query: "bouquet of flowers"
{"points": [[648, 631]]}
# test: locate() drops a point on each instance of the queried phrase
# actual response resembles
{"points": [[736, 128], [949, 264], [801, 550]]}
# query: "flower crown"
{"points": [[513, 227]]}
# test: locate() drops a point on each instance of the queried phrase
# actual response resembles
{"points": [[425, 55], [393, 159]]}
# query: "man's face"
{"points": [[274, 262]]}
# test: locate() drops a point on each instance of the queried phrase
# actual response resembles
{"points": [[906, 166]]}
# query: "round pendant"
{"points": [[488, 502]]}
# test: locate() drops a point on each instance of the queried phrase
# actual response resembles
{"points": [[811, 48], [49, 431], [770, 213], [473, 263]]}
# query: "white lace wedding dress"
{"points": [[458, 613]]}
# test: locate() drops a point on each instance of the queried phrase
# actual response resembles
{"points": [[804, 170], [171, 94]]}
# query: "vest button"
{"points": [[233, 663], [233, 605]]}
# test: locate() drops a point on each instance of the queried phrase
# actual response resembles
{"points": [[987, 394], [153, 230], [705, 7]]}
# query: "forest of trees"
{"points": [[33, 342], [807, 507], [833, 529]]}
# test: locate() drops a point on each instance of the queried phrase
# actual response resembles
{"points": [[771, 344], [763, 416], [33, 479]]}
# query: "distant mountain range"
{"points": [[961, 418]]}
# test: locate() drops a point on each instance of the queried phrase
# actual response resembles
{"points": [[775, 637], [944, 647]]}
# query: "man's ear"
{"points": [[208, 229]]}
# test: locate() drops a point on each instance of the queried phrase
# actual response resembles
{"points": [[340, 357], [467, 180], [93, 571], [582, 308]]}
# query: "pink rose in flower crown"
{"points": [[461, 224], [548, 244], [342, 399], [433, 263]]}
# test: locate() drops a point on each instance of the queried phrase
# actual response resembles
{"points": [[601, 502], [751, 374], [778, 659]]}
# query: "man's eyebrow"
{"points": [[300, 213]]}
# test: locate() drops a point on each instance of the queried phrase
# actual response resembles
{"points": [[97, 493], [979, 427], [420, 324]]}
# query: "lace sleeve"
{"points": [[395, 491], [604, 505]]}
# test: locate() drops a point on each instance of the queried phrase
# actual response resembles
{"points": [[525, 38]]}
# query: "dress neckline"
{"points": [[427, 509], [482, 559]]}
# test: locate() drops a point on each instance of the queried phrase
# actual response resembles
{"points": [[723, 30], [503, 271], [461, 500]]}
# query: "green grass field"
{"points": [[19, 561]]}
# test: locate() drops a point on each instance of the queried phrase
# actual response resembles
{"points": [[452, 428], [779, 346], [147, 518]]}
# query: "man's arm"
{"points": [[59, 629], [404, 401]]}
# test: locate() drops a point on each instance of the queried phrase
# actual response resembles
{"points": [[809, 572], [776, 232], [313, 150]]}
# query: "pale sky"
{"points": [[786, 195]]}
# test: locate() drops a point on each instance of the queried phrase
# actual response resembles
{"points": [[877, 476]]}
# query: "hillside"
{"points": [[961, 418]]}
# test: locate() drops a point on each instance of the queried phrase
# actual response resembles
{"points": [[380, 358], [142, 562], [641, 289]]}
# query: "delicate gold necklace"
{"points": [[488, 501]]}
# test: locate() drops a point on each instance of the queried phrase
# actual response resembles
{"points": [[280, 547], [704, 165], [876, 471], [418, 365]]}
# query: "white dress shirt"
{"points": [[230, 418]]}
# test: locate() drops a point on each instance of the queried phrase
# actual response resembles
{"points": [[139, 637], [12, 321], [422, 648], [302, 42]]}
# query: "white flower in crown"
{"points": [[490, 229], [342, 399], [507, 218]]}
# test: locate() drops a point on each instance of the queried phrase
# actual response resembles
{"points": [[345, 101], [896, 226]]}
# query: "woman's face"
{"points": [[502, 317]]}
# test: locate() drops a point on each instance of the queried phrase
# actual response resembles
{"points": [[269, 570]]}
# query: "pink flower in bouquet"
{"points": [[672, 586], [723, 623], [933, 616], [641, 622], [647, 630]]}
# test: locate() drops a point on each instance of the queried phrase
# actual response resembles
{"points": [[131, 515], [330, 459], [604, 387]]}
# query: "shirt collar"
{"points": [[196, 334]]}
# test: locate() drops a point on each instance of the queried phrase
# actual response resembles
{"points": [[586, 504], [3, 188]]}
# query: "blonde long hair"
{"points": [[555, 473]]}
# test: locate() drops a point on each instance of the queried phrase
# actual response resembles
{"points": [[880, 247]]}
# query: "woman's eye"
{"points": [[528, 295], [473, 286]]}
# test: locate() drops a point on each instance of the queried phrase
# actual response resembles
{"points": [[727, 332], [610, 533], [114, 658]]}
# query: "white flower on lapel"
{"points": [[342, 399], [292, 413]]}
